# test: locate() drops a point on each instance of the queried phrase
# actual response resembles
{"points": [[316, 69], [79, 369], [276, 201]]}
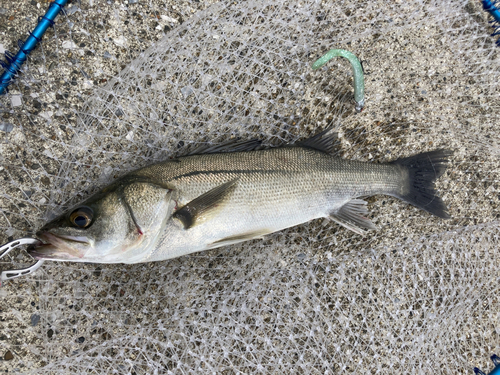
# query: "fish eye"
{"points": [[81, 217]]}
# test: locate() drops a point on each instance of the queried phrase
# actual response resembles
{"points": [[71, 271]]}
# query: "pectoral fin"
{"points": [[352, 215], [205, 204]]}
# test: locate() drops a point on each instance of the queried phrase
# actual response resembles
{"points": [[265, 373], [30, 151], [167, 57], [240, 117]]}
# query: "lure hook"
{"points": [[357, 69], [7, 248]]}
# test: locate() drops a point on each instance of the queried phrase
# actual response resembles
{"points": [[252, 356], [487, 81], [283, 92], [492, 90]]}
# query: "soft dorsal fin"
{"points": [[352, 216], [325, 141], [204, 205], [228, 146]]}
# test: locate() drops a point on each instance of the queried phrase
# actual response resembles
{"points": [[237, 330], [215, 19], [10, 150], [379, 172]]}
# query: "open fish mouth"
{"points": [[58, 247]]}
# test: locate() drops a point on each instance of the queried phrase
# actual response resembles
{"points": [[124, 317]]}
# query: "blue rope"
{"points": [[490, 6], [14, 63], [496, 370]]}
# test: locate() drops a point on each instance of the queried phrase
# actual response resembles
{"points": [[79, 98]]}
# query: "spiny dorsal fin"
{"points": [[206, 203], [325, 141], [228, 146], [352, 216]]}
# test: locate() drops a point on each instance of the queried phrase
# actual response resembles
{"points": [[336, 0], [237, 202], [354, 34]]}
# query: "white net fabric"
{"points": [[421, 295]]}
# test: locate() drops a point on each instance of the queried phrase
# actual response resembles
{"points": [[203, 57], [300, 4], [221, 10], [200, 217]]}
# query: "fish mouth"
{"points": [[58, 247]]}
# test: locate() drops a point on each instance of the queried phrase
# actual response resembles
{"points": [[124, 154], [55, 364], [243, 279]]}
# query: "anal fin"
{"points": [[352, 216], [203, 205]]}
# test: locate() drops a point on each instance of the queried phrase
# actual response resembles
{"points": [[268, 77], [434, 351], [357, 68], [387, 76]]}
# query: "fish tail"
{"points": [[422, 170]]}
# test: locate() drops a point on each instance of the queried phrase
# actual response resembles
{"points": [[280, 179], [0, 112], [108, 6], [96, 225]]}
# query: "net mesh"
{"points": [[118, 85]]}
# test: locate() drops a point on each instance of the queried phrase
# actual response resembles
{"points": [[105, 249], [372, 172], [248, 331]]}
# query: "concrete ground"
{"points": [[419, 295]]}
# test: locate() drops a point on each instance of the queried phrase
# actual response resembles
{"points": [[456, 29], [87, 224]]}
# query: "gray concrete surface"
{"points": [[419, 295]]}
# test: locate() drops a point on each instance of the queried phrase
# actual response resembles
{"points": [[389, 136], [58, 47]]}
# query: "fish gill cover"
{"points": [[117, 85]]}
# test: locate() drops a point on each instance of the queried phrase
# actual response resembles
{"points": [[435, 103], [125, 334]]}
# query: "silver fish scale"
{"points": [[275, 189], [282, 164]]}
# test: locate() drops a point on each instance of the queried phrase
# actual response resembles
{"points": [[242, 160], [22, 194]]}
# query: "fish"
{"points": [[232, 193]]}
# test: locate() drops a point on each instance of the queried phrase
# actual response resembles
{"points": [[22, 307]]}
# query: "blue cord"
{"points": [[14, 63], [491, 7], [495, 371]]}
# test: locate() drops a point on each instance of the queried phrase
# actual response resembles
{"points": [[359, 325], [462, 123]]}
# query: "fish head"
{"points": [[117, 225]]}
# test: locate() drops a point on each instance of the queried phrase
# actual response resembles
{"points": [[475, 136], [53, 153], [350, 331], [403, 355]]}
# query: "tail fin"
{"points": [[423, 170]]}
